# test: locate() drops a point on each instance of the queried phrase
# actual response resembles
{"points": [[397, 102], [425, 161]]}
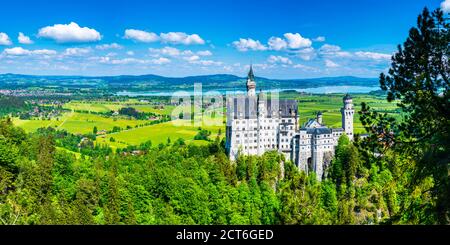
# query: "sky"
{"points": [[281, 39]]}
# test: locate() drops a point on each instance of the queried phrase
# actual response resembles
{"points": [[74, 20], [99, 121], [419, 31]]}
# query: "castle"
{"points": [[256, 124]]}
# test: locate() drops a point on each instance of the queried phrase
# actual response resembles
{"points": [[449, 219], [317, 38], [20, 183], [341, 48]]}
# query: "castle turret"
{"points": [[347, 116], [251, 84], [320, 118]]}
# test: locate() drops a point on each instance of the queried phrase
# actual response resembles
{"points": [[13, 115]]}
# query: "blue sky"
{"points": [[282, 39]]}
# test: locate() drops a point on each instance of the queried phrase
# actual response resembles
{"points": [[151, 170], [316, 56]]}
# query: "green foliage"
{"points": [[203, 134], [415, 149]]}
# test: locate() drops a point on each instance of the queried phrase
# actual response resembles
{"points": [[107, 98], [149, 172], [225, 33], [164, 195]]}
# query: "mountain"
{"points": [[160, 83]]}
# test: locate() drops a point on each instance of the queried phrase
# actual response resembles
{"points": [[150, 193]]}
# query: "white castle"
{"points": [[256, 124]]}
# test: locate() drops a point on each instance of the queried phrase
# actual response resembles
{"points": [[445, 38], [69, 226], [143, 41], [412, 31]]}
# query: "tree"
{"points": [[418, 81], [95, 130]]}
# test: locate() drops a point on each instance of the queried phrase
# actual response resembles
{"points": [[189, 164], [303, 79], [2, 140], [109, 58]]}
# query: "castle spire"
{"points": [[250, 74], [251, 84]]}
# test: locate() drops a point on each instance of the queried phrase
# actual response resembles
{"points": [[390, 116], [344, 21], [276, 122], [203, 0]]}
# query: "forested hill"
{"points": [[160, 83]]}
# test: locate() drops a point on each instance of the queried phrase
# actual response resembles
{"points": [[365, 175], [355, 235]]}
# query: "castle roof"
{"points": [[246, 107], [323, 130], [251, 76], [347, 97]]}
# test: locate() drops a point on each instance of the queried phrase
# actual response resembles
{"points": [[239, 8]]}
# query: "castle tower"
{"points": [[320, 118], [262, 110], [347, 116], [251, 84]]}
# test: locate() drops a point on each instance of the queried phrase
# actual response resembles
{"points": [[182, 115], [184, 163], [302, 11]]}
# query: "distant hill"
{"points": [[160, 83]]}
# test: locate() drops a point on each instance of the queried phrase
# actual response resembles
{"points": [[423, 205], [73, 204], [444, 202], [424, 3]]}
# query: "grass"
{"points": [[81, 123], [159, 133], [101, 106]]}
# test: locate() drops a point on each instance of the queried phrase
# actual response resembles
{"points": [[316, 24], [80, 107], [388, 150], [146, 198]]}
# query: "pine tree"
{"points": [[418, 81]]}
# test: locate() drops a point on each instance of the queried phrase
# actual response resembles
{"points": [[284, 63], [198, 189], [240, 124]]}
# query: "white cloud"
{"points": [[24, 39], [127, 61], [192, 58], [4, 39], [168, 51], [171, 51], [130, 53], [319, 39], [43, 52], [181, 38], [204, 53], [141, 36], [333, 51], [372, 55], [69, 33], [306, 68], [160, 61], [77, 51], [276, 43], [279, 60], [262, 66], [445, 6], [19, 51], [208, 63], [306, 54], [296, 41], [109, 46], [244, 45], [330, 64]]}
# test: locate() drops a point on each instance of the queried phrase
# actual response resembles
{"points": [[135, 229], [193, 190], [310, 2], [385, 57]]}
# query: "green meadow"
{"points": [[159, 133], [78, 123]]}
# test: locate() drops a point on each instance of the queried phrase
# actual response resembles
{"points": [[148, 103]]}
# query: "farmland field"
{"points": [[158, 133], [78, 123]]}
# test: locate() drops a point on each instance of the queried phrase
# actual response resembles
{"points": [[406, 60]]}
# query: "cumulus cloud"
{"points": [[296, 41], [262, 66], [306, 54], [204, 53], [244, 45], [19, 51], [130, 53], [77, 51], [333, 51], [319, 39], [160, 61], [279, 60], [43, 52], [330, 64], [208, 62], [372, 55], [445, 6], [69, 33], [141, 36], [276, 43], [170, 51], [128, 61], [192, 58], [24, 39], [4, 39], [181, 38], [109, 46]]}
